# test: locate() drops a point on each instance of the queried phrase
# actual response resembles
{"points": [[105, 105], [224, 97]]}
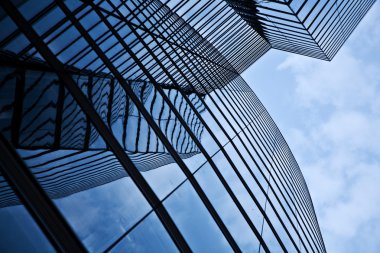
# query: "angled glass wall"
{"points": [[313, 28]]}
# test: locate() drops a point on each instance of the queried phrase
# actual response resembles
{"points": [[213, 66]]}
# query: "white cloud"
{"points": [[345, 82]]}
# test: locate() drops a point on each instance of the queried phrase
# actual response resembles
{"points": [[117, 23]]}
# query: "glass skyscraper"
{"points": [[125, 126]]}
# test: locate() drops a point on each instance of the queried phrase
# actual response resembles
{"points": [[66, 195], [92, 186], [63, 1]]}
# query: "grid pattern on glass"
{"points": [[50, 121], [19, 231], [149, 93], [312, 28]]}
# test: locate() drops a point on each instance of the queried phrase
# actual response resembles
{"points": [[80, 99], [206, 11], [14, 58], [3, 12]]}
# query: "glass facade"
{"points": [[125, 126], [313, 28]]}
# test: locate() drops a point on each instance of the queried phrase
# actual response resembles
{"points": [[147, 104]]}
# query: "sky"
{"points": [[329, 113]]}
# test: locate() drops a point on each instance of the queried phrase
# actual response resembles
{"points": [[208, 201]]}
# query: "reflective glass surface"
{"points": [[134, 120], [19, 232], [195, 222], [148, 236]]}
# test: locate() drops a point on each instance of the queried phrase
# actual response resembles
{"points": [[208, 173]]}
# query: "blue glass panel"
{"points": [[148, 236], [195, 222], [18, 231]]}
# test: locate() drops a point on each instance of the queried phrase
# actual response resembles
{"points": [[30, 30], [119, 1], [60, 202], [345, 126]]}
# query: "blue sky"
{"points": [[329, 113]]}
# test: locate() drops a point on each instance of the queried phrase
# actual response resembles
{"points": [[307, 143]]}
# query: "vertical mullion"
{"points": [[59, 115], [87, 136], [18, 107], [110, 103]]}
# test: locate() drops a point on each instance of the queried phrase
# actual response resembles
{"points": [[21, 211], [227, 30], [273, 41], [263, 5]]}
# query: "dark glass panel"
{"points": [[18, 230]]}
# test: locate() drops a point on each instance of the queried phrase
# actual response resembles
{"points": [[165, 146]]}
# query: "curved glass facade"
{"points": [[126, 126]]}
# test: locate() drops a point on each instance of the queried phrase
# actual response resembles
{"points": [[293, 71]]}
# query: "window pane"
{"points": [[195, 222], [148, 236], [18, 231]]}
